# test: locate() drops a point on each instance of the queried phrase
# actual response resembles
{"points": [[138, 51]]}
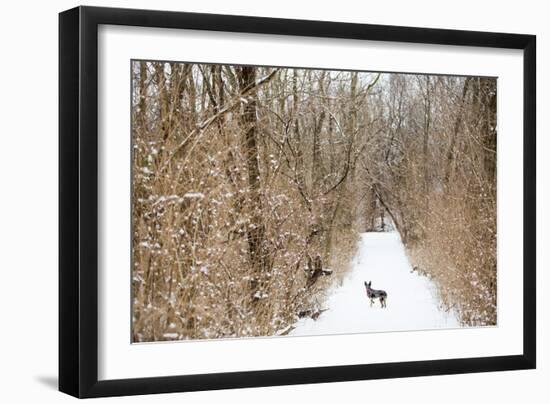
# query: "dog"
{"points": [[376, 294]]}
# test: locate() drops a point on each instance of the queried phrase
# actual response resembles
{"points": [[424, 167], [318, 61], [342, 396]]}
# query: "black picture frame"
{"points": [[78, 201]]}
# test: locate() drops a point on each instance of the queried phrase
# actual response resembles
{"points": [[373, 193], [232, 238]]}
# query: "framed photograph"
{"points": [[251, 201]]}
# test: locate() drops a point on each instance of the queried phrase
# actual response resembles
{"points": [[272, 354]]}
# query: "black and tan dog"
{"points": [[376, 294]]}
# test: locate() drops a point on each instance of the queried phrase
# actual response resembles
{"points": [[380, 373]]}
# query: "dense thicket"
{"points": [[251, 184]]}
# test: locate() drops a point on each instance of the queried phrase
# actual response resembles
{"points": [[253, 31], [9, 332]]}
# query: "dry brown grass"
{"points": [[459, 254], [191, 262]]}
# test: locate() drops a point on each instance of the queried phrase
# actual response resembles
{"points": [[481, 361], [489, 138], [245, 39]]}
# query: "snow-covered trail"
{"points": [[412, 303]]}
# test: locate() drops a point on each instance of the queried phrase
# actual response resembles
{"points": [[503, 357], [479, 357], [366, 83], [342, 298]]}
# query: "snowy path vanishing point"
{"points": [[412, 303]]}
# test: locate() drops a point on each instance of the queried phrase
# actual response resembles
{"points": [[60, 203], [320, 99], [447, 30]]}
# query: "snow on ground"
{"points": [[412, 302]]}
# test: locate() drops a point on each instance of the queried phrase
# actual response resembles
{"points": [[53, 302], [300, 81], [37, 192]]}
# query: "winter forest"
{"points": [[263, 197]]}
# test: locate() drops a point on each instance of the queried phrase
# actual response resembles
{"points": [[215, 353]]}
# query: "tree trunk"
{"points": [[456, 128], [298, 138], [317, 168], [142, 105], [257, 247]]}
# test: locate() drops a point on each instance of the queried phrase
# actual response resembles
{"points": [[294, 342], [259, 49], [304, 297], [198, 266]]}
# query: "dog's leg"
{"points": [[371, 302]]}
